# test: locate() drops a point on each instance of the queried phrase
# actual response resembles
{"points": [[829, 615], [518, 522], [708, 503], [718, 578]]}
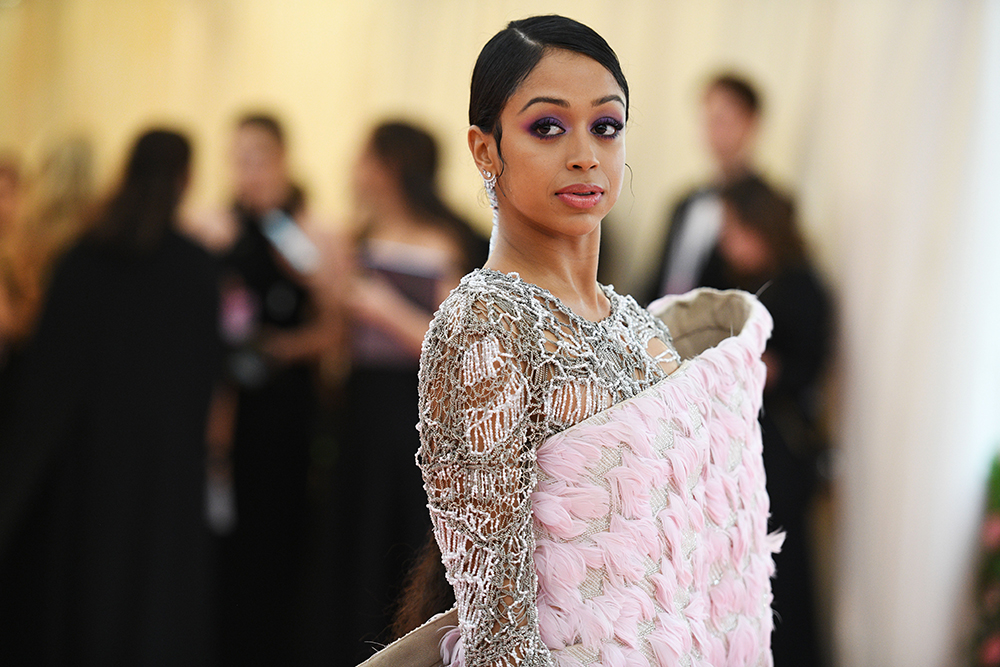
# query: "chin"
{"points": [[581, 227]]}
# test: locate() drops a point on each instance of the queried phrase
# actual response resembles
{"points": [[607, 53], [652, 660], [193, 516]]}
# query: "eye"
{"points": [[607, 127], [547, 127]]}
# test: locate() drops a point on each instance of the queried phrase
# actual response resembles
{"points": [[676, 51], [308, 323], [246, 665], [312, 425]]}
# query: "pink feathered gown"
{"points": [[590, 509]]}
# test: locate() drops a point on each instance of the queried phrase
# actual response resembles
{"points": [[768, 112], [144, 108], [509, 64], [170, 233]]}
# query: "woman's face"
{"points": [[730, 129], [372, 180], [743, 248], [563, 147], [260, 168]]}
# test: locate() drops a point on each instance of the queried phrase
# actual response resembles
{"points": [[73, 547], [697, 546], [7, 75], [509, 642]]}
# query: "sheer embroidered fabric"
{"points": [[504, 366]]}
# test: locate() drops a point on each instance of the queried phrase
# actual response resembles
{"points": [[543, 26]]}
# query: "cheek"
{"points": [[745, 249], [257, 179], [732, 242], [247, 164], [361, 178], [723, 134], [615, 168], [524, 188], [526, 172]]}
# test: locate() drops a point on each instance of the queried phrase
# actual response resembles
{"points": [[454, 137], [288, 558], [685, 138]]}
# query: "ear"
{"points": [[484, 150]]}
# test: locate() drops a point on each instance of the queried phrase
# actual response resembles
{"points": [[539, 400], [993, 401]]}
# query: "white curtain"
{"points": [[904, 166]]}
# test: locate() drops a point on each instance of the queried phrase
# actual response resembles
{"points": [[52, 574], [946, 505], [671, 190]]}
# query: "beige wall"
{"points": [[108, 68]]}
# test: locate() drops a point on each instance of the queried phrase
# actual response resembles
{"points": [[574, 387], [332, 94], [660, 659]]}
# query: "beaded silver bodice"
{"points": [[504, 366]]}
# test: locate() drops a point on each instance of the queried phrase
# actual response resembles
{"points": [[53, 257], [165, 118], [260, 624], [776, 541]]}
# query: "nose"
{"points": [[582, 153]]}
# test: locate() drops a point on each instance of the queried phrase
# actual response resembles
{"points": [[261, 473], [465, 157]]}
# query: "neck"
{"points": [[729, 173], [567, 267], [280, 198]]}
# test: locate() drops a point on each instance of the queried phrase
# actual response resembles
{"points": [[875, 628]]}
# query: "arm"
{"points": [[378, 302], [375, 300], [306, 343], [479, 472], [319, 335]]}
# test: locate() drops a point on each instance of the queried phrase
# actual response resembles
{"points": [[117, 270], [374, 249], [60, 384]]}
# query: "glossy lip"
{"points": [[581, 195]]}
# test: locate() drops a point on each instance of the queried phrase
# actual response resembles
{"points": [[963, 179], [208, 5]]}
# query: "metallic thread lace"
{"points": [[504, 366]]}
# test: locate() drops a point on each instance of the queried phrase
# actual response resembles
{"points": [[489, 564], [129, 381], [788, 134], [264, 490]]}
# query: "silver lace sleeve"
{"points": [[478, 464]]}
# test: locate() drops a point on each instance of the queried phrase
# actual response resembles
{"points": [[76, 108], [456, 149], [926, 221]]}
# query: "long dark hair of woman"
{"points": [[144, 207], [426, 591], [767, 212], [412, 154]]}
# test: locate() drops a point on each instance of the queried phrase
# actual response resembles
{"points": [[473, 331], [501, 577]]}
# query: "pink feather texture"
{"points": [[650, 522]]}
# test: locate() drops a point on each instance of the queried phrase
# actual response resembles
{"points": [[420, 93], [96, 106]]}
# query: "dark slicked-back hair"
{"points": [[509, 57]]}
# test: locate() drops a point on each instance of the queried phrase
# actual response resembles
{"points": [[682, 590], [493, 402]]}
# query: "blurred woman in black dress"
{"points": [[103, 545], [411, 251], [764, 253], [276, 331]]}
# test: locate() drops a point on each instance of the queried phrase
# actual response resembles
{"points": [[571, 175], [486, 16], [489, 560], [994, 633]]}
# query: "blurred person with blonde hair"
{"points": [[19, 286], [15, 286], [10, 190], [39, 220]]}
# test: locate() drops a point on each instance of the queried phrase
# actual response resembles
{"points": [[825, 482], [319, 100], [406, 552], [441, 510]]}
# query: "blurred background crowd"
{"points": [[224, 228]]}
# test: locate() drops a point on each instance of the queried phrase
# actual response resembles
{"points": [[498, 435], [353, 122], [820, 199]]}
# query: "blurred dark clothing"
{"points": [[382, 505], [708, 270], [261, 559], [282, 300], [793, 445], [793, 440], [105, 558], [11, 362], [801, 310], [379, 489]]}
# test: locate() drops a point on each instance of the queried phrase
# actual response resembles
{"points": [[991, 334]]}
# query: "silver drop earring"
{"points": [[490, 183]]}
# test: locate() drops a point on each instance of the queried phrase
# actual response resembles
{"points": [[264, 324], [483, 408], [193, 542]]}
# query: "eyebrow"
{"points": [[563, 103]]}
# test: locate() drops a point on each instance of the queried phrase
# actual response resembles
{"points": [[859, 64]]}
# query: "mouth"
{"points": [[581, 195]]}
